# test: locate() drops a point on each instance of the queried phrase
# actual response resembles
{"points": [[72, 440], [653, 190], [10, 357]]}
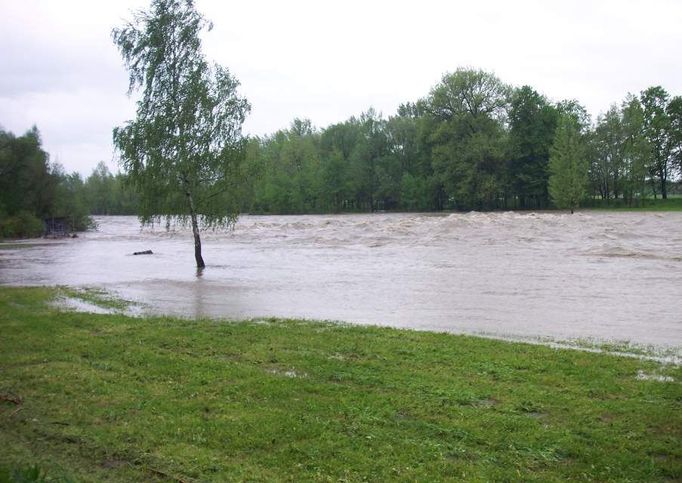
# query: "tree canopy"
{"points": [[182, 150], [472, 142], [33, 189], [568, 164]]}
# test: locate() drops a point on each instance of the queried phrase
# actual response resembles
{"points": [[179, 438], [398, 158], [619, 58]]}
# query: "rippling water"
{"points": [[607, 276]]}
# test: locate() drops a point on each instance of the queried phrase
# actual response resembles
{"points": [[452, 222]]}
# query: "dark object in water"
{"points": [[56, 227], [146, 252]]}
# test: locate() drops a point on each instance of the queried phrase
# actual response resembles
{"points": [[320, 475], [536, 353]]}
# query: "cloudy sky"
{"points": [[326, 60]]}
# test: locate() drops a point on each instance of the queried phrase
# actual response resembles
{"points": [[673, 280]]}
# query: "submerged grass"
{"points": [[108, 397], [94, 296]]}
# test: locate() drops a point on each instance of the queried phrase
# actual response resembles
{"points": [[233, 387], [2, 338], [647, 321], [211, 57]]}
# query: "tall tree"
{"points": [[26, 179], [366, 157], [674, 111], [636, 149], [532, 122], [608, 147], [338, 146], [182, 149], [567, 165], [468, 109], [658, 131], [99, 187]]}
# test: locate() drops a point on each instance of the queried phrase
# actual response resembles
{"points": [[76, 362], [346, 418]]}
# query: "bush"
{"points": [[21, 225]]}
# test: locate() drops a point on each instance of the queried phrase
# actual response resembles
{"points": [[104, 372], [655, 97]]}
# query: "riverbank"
{"points": [[673, 203], [108, 397]]}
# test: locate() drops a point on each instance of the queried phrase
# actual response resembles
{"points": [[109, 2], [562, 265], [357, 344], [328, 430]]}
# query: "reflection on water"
{"points": [[593, 275]]}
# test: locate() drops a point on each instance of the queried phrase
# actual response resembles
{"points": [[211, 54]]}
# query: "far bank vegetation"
{"points": [[472, 143]]}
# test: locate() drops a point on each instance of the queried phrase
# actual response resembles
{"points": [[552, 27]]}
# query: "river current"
{"points": [[592, 275]]}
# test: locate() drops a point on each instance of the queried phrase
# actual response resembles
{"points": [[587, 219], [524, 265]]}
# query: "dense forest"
{"points": [[473, 143]]}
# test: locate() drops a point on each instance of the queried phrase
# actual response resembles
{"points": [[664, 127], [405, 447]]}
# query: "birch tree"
{"points": [[182, 150]]}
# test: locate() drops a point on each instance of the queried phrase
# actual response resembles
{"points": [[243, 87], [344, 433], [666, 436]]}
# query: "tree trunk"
{"points": [[195, 231], [197, 242]]}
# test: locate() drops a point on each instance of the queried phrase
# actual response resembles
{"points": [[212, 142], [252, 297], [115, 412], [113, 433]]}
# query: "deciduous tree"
{"points": [[658, 132], [532, 122], [567, 165], [182, 149]]}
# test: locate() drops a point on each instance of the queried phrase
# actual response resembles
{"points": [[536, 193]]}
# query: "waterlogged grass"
{"points": [[667, 355], [93, 296], [108, 397]]}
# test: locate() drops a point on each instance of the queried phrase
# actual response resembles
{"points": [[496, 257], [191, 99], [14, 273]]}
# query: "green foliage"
{"points": [[568, 165], [30, 474], [22, 225], [112, 398], [467, 110], [289, 170], [32, 189], [183, 149], [186, 136], [608, 142], [26, 180], [674, 112], [70, 203], [472, 143], [661, 131], [641, 204], [636, 151], [106, 194], [532, 123]]}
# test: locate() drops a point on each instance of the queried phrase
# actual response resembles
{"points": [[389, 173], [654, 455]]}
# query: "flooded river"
{"points": [[604, 276]]}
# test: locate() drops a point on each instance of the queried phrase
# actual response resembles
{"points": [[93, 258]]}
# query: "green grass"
{"points": [[112, 398], [673, 203]]}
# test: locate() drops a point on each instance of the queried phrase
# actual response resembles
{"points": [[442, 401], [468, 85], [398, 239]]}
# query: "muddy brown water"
{"points": [[603, 276]]}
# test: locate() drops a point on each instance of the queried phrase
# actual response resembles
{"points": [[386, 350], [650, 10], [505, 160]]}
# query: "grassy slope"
{"points": [[105, 397]]}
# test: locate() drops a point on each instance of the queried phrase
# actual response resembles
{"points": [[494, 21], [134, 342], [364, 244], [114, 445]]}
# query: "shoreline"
{"points": [[117, 398]]}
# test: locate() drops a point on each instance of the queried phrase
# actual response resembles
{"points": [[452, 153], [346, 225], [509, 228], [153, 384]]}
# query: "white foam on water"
{"points": [[596, 275]]}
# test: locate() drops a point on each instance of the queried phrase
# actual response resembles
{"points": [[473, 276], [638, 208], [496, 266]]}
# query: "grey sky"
{"points": [[329, 60]]}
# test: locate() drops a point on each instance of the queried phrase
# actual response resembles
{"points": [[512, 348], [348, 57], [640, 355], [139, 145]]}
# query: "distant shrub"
{"points": [[21, 225], [84, 223]]}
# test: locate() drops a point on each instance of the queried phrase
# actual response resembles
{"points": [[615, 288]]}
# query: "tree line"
{"points": [[35, 191], [474, 143]]}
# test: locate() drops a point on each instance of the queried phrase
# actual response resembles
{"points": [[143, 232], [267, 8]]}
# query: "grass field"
{"points": [[673, 203], [112, 398]]}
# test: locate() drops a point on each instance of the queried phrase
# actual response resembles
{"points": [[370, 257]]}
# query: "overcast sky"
{"points": [[327, 60]]}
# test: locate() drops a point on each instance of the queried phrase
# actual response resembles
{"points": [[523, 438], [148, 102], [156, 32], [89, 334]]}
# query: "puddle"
{"points": [[663, 355], [643, 376], [96, 301], [78, 305], [290, 373]]}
